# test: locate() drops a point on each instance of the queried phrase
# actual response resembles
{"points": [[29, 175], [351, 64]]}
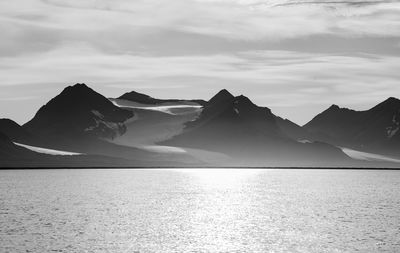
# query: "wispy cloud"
{"points": [[245, 20]]}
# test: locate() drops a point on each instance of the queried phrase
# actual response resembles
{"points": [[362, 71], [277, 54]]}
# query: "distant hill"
{"points": [[376, 129], [13, 130], [146, 99]]}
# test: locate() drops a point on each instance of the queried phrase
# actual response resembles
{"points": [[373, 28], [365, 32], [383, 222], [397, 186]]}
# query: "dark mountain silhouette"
{"points": [[146, 99], [376, 129], [81, 120], [226, 127], [79, 111], [13, 130], [214, 107], [250, 135], [220, 97], [288, 127]]}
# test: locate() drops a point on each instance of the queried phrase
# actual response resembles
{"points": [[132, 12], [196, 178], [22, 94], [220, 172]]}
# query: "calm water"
{"points": [[199, 211]]}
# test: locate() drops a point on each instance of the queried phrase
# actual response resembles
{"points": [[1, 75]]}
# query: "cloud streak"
{"points": [[242, 20]]}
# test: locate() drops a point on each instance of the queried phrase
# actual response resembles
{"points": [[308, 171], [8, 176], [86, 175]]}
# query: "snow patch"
{"points": [[236, 111], [46, 150], [359, 155], [163, 149], [392, 130], [111, 129], [168, 109], [109, 125], [98, 114], [304, 141]]}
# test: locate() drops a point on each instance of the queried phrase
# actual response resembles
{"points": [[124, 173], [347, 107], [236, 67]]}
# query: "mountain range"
{"points": [[82, 128], [374, 130]]}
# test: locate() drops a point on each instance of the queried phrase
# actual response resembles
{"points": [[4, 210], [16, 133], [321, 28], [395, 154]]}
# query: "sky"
{"points": [[296, 57]]}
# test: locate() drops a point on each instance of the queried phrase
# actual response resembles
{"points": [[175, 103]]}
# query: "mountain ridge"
{"points": [[248, 133], [81, 120], [374, 129]]}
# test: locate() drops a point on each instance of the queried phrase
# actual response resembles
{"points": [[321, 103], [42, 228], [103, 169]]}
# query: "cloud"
{"points": [[281, 53], [317, 76], [237, 20], [196, 26]]}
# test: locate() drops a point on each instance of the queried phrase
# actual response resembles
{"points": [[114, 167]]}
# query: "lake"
{"points": [[199, 210]]}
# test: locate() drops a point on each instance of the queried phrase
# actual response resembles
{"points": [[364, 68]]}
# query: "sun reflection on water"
{"points": [[221, 207], [220, 178]]}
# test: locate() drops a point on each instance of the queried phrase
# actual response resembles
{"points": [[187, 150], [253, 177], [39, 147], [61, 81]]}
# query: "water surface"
{"points": [[200, 210]]}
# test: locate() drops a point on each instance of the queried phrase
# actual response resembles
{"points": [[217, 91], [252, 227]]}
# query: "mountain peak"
{"points": [[77, 97], [141, 98], [334, 107], [135, 93], [391, 103], [77, 86], [137, 97], [392, 100], [76, 110], [77, 91], [244, 102], [222, 95]]}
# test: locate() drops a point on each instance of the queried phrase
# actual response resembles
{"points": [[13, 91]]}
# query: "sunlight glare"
{"points": [[220, 178]]}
